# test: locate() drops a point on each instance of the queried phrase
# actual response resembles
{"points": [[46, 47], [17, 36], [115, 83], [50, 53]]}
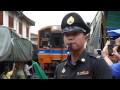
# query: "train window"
{"points": [[45, 33], [41, 33], [44, 38], [56, 40], [44, 42]]}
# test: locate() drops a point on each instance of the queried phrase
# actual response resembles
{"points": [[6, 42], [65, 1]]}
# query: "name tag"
{"points": [[83, 73]]}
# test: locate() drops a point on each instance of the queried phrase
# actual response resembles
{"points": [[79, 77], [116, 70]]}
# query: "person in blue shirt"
{"points": [[115, 67], [105, 54], [115, 70], [114, 60]]}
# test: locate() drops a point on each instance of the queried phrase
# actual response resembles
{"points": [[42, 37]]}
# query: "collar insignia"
{"points": [[63, 70]]}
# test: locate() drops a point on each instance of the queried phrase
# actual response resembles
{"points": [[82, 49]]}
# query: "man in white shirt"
{"points": [[27, 71]]}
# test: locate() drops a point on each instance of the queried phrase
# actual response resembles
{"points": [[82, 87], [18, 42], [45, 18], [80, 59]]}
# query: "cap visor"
{"points": [[73, 30]]}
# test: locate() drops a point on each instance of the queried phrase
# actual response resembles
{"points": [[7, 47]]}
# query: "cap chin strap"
{"points": [[71, 28]]}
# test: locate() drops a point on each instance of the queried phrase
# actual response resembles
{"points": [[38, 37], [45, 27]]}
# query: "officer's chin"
{"points": [[74, 49]]}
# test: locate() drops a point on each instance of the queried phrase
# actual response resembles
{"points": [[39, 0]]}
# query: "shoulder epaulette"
{"points": [[94, 55]]}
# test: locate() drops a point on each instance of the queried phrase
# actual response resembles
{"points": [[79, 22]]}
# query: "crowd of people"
{"points": [[113, 58], [20, 70]]}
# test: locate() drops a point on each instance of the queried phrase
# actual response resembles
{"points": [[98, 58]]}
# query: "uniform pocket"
{"points": [[83, 77]]}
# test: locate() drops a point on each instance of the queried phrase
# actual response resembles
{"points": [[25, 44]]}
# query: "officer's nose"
{"points": [[70, 38]]}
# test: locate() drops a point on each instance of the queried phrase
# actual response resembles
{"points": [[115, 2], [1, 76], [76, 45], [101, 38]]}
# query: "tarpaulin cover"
{"points": [[13, 47]]}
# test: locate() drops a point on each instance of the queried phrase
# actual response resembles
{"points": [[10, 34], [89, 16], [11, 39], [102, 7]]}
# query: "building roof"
{"points": [[31, 22]]}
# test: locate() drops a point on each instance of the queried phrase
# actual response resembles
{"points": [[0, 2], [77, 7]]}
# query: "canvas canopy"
{"points": [[113, 23], [13, 47], [95, 39]]}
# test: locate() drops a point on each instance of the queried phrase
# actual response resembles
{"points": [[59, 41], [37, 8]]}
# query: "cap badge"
{"points": [[70, 20]]}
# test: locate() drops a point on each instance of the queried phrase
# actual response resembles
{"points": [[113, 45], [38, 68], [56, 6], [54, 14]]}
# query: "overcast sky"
{"points": [[45, 18]]}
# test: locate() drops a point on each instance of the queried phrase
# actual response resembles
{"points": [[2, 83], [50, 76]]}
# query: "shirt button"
{"points": [[82, 60]]}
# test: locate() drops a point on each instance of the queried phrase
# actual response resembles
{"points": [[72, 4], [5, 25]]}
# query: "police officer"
{"points": [[80, 64]]}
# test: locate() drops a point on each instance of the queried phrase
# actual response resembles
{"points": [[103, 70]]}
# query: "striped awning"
{"points": [[113, 32]]}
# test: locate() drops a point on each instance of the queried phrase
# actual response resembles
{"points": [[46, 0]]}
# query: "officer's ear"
{"points": [[87, 37]]}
